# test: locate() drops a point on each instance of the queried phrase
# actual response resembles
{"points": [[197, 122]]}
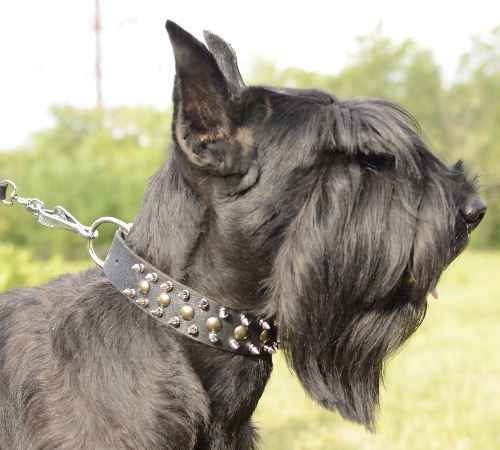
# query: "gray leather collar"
{"points": [[183, 309]]}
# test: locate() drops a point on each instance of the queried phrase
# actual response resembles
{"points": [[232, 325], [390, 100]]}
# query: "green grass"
{"points": [[441, 392]]}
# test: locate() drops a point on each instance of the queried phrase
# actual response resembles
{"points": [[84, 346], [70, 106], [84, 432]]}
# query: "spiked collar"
{"points": [[183, 309]]}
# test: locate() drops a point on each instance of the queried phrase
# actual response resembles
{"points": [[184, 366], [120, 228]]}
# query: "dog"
{"points": [[280, 217]]}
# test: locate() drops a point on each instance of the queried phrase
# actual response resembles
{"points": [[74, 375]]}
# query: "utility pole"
{"points": [[98, 71]]}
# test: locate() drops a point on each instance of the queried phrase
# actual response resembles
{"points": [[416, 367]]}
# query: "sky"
{"points": [[47, 48]]}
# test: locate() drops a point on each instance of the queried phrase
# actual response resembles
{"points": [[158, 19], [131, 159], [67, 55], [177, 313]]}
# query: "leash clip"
{"points": [[59, 217]]}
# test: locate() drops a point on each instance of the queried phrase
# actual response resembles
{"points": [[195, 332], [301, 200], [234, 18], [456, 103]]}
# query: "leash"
{"points": [[155, 293], [59, 217]]}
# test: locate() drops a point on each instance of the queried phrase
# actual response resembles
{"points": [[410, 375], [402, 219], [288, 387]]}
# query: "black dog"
{"points": [[290, 211]]}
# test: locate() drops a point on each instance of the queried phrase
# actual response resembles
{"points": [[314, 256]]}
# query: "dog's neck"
{"points": [[176, 232]]}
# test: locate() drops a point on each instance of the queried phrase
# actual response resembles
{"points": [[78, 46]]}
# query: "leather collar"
{"points": [[183, 309]]}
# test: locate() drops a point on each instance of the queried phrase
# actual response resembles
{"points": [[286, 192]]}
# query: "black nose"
{"points": [[473, 211]]}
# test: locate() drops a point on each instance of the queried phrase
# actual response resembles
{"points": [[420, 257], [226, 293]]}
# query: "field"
{"points": [[442, 392]]}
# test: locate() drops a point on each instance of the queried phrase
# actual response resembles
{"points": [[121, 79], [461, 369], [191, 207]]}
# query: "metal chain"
{"points": [[59, 217]]}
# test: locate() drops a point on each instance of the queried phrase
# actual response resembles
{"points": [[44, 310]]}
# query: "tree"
{"points": [[92, 162]]}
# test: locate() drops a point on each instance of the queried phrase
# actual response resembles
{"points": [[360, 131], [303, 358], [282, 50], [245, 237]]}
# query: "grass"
{"points": [[441, 392]]}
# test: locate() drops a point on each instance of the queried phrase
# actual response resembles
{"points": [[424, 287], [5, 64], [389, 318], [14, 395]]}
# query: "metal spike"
{"points": [[223, 313], [167, 286], [213, 338], [192, 330], [138, 267], [184, 294], [158, 312], [129, 293], [142, 302], [270, 349], [203, 303], [244, 320], [234, 344], [264, 325], [253, 349], [153, 277], [174, 321]]}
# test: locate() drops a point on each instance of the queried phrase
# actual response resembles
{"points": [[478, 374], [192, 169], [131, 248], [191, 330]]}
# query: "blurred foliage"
{"points": [[461, 121], [96, 162]]}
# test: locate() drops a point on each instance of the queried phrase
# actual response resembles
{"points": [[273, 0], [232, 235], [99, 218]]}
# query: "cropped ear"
{"points": [[209, 124], [225, 57]]}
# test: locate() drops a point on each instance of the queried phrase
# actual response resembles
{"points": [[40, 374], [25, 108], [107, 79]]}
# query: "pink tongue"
{"points": [[434, 293]]}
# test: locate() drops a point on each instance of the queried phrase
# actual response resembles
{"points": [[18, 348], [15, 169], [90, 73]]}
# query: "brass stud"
{"points": [[192, 330], [234, 344], [213, 324], [142, 302], [244, 320], [129, 293], [241, 332], [184, 294], [174, 321], [253, 349], [264, 325], [151, 277], [187, 312], [223, 313], [203, 303], [138, 268], [213, 338], [265, 336], [158, 312], [164, 299], [167, 286], [144, 287]]}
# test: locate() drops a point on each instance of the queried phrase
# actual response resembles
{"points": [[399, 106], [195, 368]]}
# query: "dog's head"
{"points": [[333, 217]]}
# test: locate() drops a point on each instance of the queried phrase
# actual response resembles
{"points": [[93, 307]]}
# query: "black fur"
{"points": [[331, 216]]}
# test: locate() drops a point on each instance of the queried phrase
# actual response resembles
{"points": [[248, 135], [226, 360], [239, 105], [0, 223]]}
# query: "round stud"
{"points": [[241, 333], [213, 324], [164, 299], [253, 349], [187, 312], [167, 286], [223, 313], [192, 330], [158, 312], [142, 302], [235, 345], [265, 336], [203, 303], [138, 268], [129, 293], [184, 294], [244, 320], [151, 277], [174, 321], [144, 287]]}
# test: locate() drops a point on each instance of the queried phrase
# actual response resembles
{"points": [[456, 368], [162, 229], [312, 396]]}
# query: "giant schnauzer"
{"points": [[281, 218]]}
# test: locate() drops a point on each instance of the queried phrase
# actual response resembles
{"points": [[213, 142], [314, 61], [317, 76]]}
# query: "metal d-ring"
{"points": [[122, 225]]}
